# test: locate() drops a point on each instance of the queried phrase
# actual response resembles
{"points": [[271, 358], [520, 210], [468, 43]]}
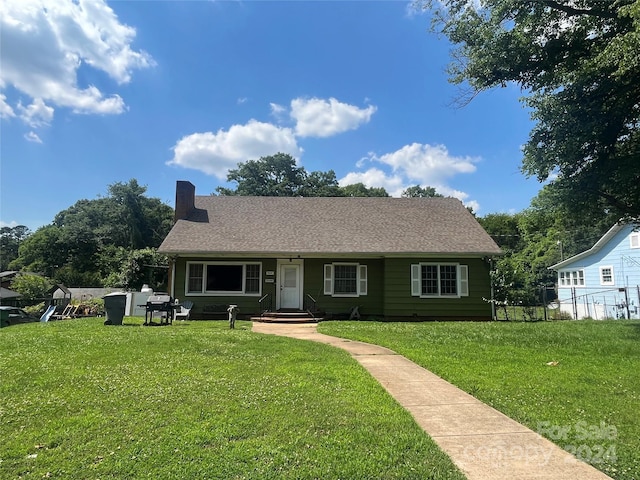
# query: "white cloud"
{"points": [[414, 8], [37, 114], [426, 164], [44, 43], [11, 224], [316, 117], [277, 109], [415, 164], [374, 177], [462, 196], [32, 137], [242, 100], [216, 153], [278, 112], [5, 109], [475, 206]]}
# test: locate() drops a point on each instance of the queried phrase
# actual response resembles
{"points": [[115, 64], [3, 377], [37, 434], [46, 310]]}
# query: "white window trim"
{"points": [[212, 293], [361, 280], [613, 280], [569, 276], [634, 240], [462, 278]]}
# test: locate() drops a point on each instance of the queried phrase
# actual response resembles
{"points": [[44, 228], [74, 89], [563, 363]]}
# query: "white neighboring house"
{"points": [[604, 281]]}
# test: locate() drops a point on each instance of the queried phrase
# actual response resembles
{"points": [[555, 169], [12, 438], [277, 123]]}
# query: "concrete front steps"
{"points": [[288, 316]]}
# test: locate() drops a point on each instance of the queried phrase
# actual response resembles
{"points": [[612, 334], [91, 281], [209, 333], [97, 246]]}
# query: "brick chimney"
{"points": [[185, 200]]}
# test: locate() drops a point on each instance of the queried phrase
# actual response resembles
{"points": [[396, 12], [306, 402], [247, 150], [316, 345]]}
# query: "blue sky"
{"points": [[94, 92]]}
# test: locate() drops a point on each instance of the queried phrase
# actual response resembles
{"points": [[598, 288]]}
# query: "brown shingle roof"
{"points": [[325, 225]]}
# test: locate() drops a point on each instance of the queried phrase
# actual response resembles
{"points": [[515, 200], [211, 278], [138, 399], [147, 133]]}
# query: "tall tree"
{"points": [[417, 191], [533, 240], [504, 230], [128, 197], [579, 62], [10, 239], [81, 245], [126, 217], [272, 176], [42, 252], [361, 190], [321, 184], [279, 176]]}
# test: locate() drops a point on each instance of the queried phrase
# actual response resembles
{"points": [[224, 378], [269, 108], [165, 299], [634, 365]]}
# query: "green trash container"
{"points": [[4, 318], [115, 305]]}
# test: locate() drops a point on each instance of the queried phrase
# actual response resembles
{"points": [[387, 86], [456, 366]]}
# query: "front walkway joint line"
{"points": [[484, 443]]}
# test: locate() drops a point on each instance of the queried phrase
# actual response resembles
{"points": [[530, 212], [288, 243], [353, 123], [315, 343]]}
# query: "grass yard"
{"points": [[195, 400], [588, 403]]}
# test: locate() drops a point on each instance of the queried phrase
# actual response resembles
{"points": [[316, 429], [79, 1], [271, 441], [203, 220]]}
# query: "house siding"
{"points": [[400, 303], [388, 291], [621, 299], [369, 305]]}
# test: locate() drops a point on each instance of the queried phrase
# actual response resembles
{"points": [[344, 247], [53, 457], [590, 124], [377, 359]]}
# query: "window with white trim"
{"points": [[224, 278], [345, 279], [573, 278], [606, 275], [439, 280], [195, 277], [634, 240]]}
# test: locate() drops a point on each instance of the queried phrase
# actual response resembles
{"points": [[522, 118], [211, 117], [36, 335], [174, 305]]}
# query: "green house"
{"points": [[385, 258]]}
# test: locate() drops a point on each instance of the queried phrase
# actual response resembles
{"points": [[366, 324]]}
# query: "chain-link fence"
{"points": [[574, 303], [600, 303]]}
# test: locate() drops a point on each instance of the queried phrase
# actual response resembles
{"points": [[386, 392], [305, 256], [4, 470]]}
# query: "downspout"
{"points": [[172, 276], [493, 303]]}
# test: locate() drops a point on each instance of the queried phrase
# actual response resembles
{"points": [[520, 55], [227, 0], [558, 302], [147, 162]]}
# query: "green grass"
{"points": [[589, 403], [195, 400]]}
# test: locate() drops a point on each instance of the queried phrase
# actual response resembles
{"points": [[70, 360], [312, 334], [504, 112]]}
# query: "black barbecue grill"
{"points": [[160, 302]]}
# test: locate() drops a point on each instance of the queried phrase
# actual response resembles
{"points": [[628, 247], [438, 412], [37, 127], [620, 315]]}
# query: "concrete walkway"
{"points": [[482, 442]]}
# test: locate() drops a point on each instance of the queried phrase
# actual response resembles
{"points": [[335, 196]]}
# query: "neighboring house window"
{"points": [[228, 278], [606, 275], [634, 240], [439, 280], [574, 278], [345, 279]]}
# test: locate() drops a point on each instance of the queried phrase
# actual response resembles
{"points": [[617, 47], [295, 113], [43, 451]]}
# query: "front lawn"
{"points": [[195, 400], [576, 382]]}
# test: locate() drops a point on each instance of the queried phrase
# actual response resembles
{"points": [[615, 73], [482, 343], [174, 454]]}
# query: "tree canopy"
{"points": [[418, 191], [535, 239], [579, 63], [10, 239], [30, 286], [279, 176], [93, 242]]}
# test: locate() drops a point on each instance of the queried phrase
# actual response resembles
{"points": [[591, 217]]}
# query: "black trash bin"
{"points": [[114, 305], [4, 318]]}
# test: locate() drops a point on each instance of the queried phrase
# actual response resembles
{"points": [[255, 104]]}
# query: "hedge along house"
{"points": [[393, 258]]}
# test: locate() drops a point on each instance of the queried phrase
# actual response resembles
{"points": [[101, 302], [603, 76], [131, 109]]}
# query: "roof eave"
{"points": [[596, 247], [326, 254]]}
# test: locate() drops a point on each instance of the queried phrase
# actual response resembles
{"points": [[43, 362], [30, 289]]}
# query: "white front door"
{"points": [[290, 285]]}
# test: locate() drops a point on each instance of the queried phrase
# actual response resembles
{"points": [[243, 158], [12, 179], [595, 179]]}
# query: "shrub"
{"points": [[35, 310], [96, 306], [31, 286]]}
